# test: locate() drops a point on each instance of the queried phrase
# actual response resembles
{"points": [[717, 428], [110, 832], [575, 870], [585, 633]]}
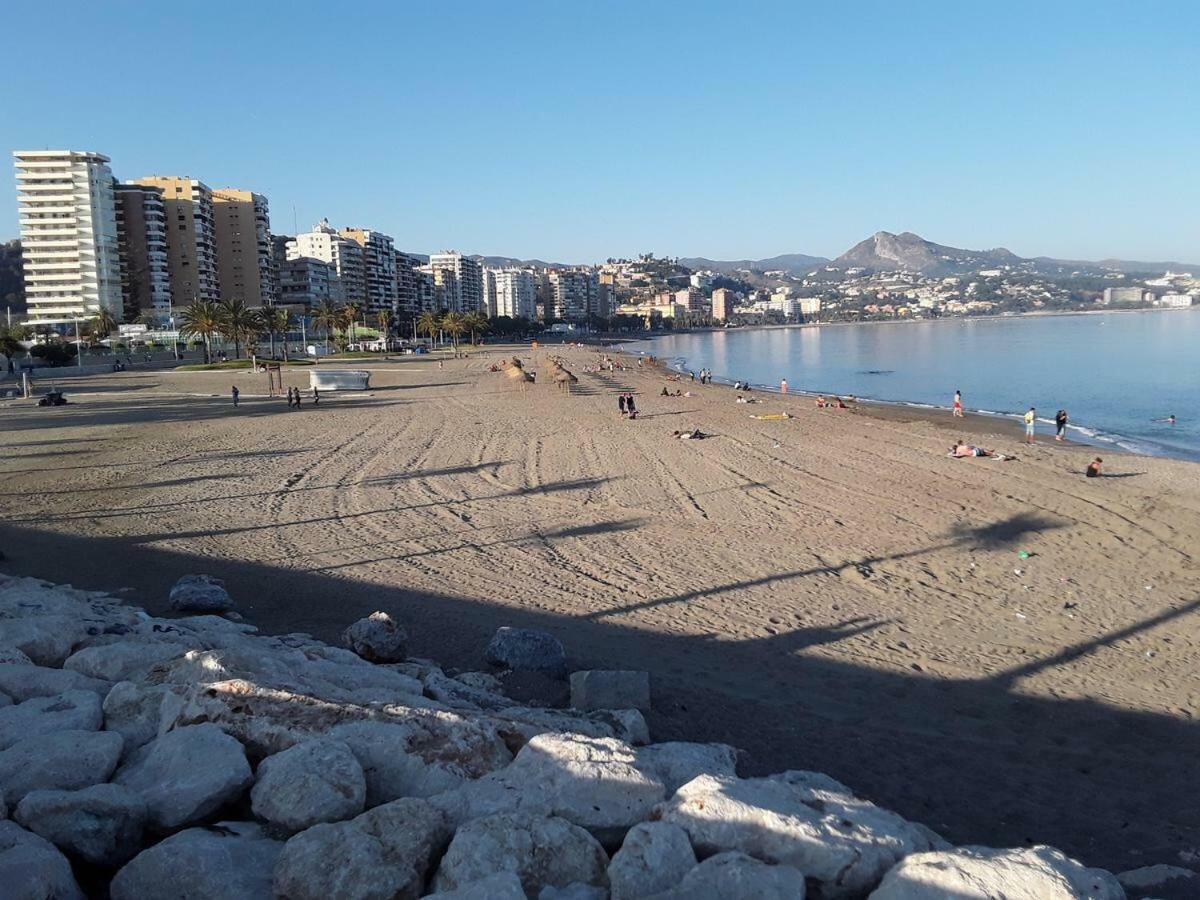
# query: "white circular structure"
{"points": [[339, 379]]}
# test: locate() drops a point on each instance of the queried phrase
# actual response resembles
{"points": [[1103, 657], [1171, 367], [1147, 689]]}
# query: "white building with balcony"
{"points": [[68, 234], [516, 293]]}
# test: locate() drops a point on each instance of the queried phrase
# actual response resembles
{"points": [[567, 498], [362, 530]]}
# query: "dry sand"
{"points": [[828, 592]]}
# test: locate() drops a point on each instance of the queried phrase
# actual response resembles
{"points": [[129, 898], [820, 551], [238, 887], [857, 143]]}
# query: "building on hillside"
{"points": [[700, 280], [191, 238], [516, 293], [242, 228], [723, 301], [346, 256], [783, 303], [1123, 295], [574, 294], [68, 219], [1175, 301], [458, 282], [809, 307], [306, 282], [408, 284], [690, 299], [379, 268], [142, 248]]}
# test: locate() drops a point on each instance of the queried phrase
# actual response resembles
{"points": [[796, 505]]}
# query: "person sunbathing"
{"points": [[963, 450]]}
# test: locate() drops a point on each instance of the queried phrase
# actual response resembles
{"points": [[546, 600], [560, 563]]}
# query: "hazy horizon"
{"points": [[572, 134]]}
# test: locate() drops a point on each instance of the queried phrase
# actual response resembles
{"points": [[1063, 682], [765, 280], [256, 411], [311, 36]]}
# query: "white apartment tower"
{"points": [[458, 282], [487, 299], [68, 234], [345, 255], [516, 293]]}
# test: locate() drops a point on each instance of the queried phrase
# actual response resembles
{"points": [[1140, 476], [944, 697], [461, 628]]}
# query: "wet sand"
{"points": [[827, 592]]}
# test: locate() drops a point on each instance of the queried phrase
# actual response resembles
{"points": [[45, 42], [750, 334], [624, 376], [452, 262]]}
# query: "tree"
{"points": [[239, 323], [429, 323], [349, 316], [454, 324], [275, 319], [105, 324], [476, 323], [328, 316], [201, 319], [385, 326]]}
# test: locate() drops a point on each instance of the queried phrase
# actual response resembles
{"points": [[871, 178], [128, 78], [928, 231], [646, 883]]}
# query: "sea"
{"points": [[1117, 374]]}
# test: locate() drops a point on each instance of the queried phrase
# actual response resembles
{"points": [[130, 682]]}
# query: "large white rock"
{"points": [[675, 763], [133, 710], [1160, 881], [101, 824], [610, 689], [70, 711], [654, 857], [121, 661], [541, 850], [200, 593], [383, 854], [25, 682], [67, 760], [984, 873], [31, 868], [47, 640], [624, 724], [591, 782], [501, 886], [728, 875], [377, 638], [463, 695], [309, 783], [186, 775], [802, 819], [229, 860]]}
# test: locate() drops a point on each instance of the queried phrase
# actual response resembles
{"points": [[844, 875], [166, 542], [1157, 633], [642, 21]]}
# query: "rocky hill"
{"points": [[792, 263], [912, 253], [147, 758]]}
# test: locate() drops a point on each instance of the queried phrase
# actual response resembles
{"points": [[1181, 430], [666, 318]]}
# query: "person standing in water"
{"points": [[1030, 419], [783, 386], [958, 413], [1060, 425]]}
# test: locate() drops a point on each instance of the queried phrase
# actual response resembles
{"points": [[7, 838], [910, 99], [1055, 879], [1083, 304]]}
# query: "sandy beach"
{"points": [[827, 592]]}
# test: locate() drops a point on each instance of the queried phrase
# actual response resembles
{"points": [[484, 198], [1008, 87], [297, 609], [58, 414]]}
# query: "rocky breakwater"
{"points": [[145, 758]]}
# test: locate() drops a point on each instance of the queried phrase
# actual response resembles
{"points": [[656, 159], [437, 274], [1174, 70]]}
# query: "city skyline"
{"points": [[615, 133]]}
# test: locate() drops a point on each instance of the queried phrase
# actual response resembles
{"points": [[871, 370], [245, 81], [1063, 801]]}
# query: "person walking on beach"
{"points": [[783, 386], [621, 403], [631, 407], [296, 397], [1030, 418], [1060, 425], [958, 413], [234, 393], [316, 396]]}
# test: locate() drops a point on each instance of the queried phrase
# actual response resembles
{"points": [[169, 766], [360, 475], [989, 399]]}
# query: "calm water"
{"points": [[1114, 373]]}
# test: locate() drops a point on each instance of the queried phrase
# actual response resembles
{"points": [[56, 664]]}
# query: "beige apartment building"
{"points": [[191, 239], [242, 232]]}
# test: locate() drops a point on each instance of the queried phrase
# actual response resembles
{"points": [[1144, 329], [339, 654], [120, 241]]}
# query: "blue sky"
{"points": [[575, 131]]}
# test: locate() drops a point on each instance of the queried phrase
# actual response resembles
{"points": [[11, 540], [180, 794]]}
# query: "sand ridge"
{"points": [[829, 592]]}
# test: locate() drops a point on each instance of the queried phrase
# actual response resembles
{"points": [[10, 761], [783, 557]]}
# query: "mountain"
{"points": [[1115, 265], [912, 253], [795, 263], [501, 262]]}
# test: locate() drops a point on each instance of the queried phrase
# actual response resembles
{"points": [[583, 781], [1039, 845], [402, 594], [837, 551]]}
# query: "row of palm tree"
{"points": [[453, 324]]}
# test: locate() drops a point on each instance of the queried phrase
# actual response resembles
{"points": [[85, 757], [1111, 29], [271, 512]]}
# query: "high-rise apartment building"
{"points": [[487, 298], [516, 293], [242, 230], [305, 283], [722, 304], [191, 239], [346, 257], [458, 281], [379, 267], [408, 284], [142, 242], [575, 294], [68, 219]]}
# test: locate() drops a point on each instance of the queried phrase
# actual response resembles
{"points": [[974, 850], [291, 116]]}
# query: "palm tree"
{"points": [[454, 324], [477, 324], [429, 323], [201, 319], [328, 315], [349, 316], [385, 326], [239, 323], [106, 323], [276, 319]]}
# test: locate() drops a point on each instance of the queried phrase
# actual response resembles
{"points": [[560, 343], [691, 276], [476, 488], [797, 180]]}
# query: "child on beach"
{"points": [[1030, 418], [958, 412], [1093, 469]]}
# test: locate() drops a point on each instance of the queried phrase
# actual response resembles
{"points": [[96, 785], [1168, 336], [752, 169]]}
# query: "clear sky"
{"points": [[574, 131]]}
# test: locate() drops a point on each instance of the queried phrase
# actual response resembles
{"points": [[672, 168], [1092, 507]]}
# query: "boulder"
{"points": [[383, 854], [229, 860], [1161, 881], [481, 681], [501, 886], [70, 711], [573, 891], [200, 593], [843, 844], [121, 661], [133, 710], [101, 824], [186, 775], [675, 763], [610, 689], [25, 682], [591, 782], [31, 868], [738, 875], [46, 640], [67, 760], [624, 724], [542, 851], [459, 695], [654, 857], [377, 638], [984, 873], [13, 656], [309, 783], [529, 649]]}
